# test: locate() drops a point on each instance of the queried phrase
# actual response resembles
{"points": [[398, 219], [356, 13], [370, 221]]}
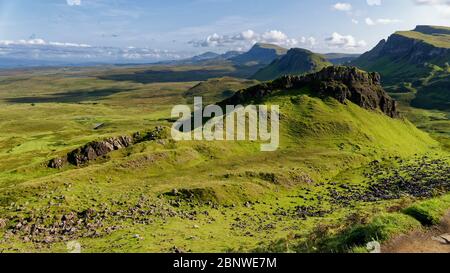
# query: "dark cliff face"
{"points": [[418, 59], [97, 149], [414, 51], [340, 82], [425, 44], [401, 48]]}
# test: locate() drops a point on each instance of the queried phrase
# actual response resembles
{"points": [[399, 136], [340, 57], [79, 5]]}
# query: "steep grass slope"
{"points": [[200, 196]]}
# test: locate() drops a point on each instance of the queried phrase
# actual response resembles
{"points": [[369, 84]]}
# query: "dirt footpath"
{"points": [[427, 241]]}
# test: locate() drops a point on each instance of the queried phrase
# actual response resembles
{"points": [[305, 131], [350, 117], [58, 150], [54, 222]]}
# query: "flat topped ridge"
{"points": [[264, 46], [299, 51], [432, 29]]}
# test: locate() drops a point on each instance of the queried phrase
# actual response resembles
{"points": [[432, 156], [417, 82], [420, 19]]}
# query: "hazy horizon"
{"points": [[149, 31]]}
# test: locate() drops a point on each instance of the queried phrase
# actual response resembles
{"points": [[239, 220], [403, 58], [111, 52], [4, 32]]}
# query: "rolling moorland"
{"points": [[353, 165]]}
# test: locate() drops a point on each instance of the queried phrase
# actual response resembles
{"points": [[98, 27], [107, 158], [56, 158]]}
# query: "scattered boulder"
{"points": [[2, 223], [445, 238], [98, 126], [57, 163], [177, 250]]}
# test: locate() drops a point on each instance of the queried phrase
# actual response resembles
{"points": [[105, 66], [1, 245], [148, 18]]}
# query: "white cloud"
{"points": [[381, 21], [248, 38], [308, 42], [38, 42], [354, 21], [279, 38], [386, 21], [337, 40], [442, 6], [369, 22], [39, 49], [73, 2], [342, 6], [374, 2], [432, 2]]}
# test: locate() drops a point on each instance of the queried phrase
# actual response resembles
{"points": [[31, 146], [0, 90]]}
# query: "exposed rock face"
{"points": [[96, 149], [413, 51], [359, 87], [340, 82], [57, 163]]}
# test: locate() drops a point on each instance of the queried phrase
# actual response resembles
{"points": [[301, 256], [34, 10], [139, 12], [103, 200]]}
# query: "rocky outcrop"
{"points": [[340, 82], [97, 149], [57, 163]]}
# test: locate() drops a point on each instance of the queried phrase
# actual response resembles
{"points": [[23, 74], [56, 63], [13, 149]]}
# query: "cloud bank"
{"points": [[346, 42], [245, 39], [73, 2], [39, 49]]}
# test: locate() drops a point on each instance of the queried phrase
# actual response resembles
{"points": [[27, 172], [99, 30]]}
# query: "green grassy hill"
{"points": [[415, 62], [296, 61], [166, 196], [214, 90]]}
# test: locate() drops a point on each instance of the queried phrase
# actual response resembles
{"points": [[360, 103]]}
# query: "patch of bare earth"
{"points": [[430, 240]]}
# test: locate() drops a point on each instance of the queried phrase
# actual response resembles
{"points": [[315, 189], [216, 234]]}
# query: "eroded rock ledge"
{"points": [[340, 82], [96, 149]]}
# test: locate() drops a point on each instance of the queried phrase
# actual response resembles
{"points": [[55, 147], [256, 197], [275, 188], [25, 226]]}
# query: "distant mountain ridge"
{"points": [[418, 61], [295, 62], [340, 58], [260, 54]]}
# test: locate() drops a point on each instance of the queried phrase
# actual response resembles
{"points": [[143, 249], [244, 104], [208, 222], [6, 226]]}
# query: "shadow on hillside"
{"points": [[161, 76], [70, 96]]}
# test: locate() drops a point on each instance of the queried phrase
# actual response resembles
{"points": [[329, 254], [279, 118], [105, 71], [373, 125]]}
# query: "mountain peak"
{"points": [[296, 61], [260, 53]]}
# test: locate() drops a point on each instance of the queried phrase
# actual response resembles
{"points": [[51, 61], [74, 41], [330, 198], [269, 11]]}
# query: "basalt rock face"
{"points": [[340, 82], [402, 48], [97, 149]]}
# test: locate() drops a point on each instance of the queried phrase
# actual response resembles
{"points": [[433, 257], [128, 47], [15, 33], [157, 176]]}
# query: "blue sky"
{"points": [[183, 27]]}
